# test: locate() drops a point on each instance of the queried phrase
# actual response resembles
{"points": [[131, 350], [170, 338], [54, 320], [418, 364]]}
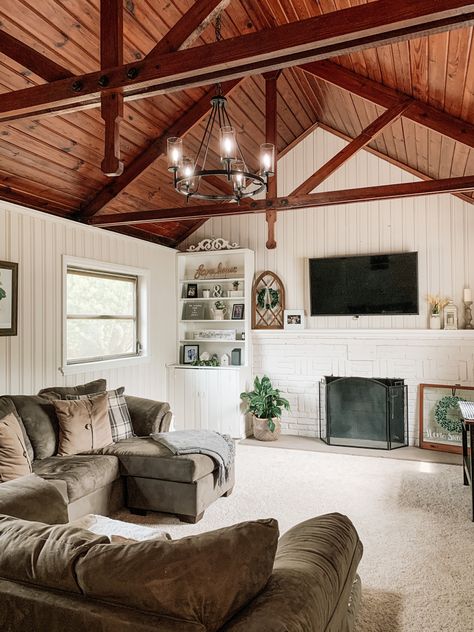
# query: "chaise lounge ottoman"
{"points": [[156, 480]]}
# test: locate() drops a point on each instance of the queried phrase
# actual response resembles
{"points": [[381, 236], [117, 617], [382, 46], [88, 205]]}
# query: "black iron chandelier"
{"points": [[189, 173]]}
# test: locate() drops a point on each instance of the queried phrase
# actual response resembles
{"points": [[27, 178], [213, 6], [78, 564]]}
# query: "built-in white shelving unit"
{"points": [[202, 396]]}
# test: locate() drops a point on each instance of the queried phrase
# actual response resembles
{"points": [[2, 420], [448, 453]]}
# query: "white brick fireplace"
{"points": [[296, 361]]}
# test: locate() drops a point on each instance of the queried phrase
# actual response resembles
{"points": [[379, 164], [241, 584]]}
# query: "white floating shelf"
{"points": [[209, 320], [214, 298], [213, 280], [210, 340]]}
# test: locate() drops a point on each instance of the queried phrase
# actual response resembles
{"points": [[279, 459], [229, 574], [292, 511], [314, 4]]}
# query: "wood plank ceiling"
{"points": [[53, 163]]}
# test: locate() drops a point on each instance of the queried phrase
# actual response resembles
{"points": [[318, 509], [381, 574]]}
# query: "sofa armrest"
{"points": [[33, 498], [148, 416], [310, 588]]}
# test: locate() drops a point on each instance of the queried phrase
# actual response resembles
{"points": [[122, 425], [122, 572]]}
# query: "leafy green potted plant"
{"points": [[265, 404]]}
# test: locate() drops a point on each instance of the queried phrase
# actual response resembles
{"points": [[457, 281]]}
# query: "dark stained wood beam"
{"points": [[155, 150], [145, 235], [186, 31], [271, 136], [111, 103], [420, 113], [312, 200], [465, 197], [9, 194], [364, 138], [32, 59], [328, 35]]}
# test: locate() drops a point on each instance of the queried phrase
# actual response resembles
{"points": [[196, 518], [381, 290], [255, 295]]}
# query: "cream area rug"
{"points": [[412, 517]]}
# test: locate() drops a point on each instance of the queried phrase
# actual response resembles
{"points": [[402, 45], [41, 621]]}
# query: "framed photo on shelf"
{"points": [[8, 298], [190, 353], [294, 319], [440, 416], [192, 290], [194, 311], [238, 310]]}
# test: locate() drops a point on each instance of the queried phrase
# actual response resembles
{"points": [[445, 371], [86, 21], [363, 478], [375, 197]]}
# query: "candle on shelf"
{"points": [[467, 295]]}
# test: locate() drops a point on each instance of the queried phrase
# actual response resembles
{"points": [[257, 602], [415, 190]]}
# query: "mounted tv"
{"points": [[362, 285]]}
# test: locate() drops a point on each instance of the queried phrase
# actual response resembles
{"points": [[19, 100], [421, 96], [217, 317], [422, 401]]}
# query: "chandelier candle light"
{"points": [[189, 172], [238, 181]]}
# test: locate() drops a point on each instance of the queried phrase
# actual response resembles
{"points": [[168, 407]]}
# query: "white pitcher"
{"points": [[218, 314]]}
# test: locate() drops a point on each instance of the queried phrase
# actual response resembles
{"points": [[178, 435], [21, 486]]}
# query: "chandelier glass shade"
{"points": [[189, 173]]}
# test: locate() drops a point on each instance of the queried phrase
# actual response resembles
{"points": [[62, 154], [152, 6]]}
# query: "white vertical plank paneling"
{"points": [[440, 228], [37, 242]]}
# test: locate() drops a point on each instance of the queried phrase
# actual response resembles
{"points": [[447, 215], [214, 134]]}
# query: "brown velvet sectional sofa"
{"points": [[55, 576], [138, 472]]}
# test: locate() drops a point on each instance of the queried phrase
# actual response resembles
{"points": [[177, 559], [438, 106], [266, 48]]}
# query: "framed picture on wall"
{"points": [[8, 298], [440, 416]]}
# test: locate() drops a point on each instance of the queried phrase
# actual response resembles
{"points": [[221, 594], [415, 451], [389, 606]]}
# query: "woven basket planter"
{"points": [[262, 432]]}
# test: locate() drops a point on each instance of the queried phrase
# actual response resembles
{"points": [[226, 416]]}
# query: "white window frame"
{"points": [[143, 320]]}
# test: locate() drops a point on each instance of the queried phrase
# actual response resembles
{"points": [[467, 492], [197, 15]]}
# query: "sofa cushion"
{"points": [[119, 416], [202, 579], [32, 498], [14, 460], [82, 474], [40, 421], [60, 392], [83, 424], [145, 457], [7, 407], [44, 555]]}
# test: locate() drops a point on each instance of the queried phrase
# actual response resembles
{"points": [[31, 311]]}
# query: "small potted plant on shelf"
{"points": [[436, 305], [265, 404], [219, 310]]}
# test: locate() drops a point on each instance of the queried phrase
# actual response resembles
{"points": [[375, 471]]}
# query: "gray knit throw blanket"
{"points": [[219, 447]]}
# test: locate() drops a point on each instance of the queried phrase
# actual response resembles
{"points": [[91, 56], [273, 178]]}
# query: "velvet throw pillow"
{"points": [[204, 579], [14, 459], [119, 415], [60, 392], [83, 424]]}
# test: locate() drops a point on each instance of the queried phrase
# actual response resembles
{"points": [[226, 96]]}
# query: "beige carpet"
{"points": [[413, 518]]}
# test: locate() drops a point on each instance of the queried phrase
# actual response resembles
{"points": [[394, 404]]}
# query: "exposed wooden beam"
{"points": [[144, 235], [155, 150], [9, 194], [420, 113], [312, 200], [111, 54], [271, 136], [465, 197], [186, 31], [316, 38], [356, 144], [32, 59]]}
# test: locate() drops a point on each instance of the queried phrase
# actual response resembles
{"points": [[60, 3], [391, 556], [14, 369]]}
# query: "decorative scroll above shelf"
{"points": [[209, 244]]}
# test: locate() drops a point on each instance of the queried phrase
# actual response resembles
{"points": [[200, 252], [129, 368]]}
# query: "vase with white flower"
{"points": [[436, 304]]}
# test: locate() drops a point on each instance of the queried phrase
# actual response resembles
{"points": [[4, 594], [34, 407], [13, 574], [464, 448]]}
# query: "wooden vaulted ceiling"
{"points": [[54, 163]]}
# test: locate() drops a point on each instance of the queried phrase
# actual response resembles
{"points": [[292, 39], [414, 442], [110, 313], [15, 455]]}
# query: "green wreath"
{"points": [[449, 406], [274, 298]]}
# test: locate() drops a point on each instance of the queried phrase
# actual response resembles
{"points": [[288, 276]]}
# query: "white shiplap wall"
{"points": [[37, 242], [440, 228]]}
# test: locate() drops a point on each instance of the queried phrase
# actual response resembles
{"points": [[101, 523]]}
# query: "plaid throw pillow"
{"points": [[119, 415]]}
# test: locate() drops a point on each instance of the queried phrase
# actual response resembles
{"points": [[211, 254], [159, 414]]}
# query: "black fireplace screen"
{"points": [[363, 412]]}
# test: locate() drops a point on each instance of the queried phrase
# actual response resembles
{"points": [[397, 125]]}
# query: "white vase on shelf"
{"points": [[435, 321]]}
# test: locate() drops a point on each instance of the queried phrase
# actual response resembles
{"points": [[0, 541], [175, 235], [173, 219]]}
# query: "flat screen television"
{"points": [[361, 285]]}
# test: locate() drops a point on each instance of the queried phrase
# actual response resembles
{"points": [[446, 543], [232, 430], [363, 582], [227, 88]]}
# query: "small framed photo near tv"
{"points": [[293, 319], [382, 284]]}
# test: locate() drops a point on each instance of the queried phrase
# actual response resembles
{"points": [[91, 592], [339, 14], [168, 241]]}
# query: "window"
{"points": [[102, 315]]}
